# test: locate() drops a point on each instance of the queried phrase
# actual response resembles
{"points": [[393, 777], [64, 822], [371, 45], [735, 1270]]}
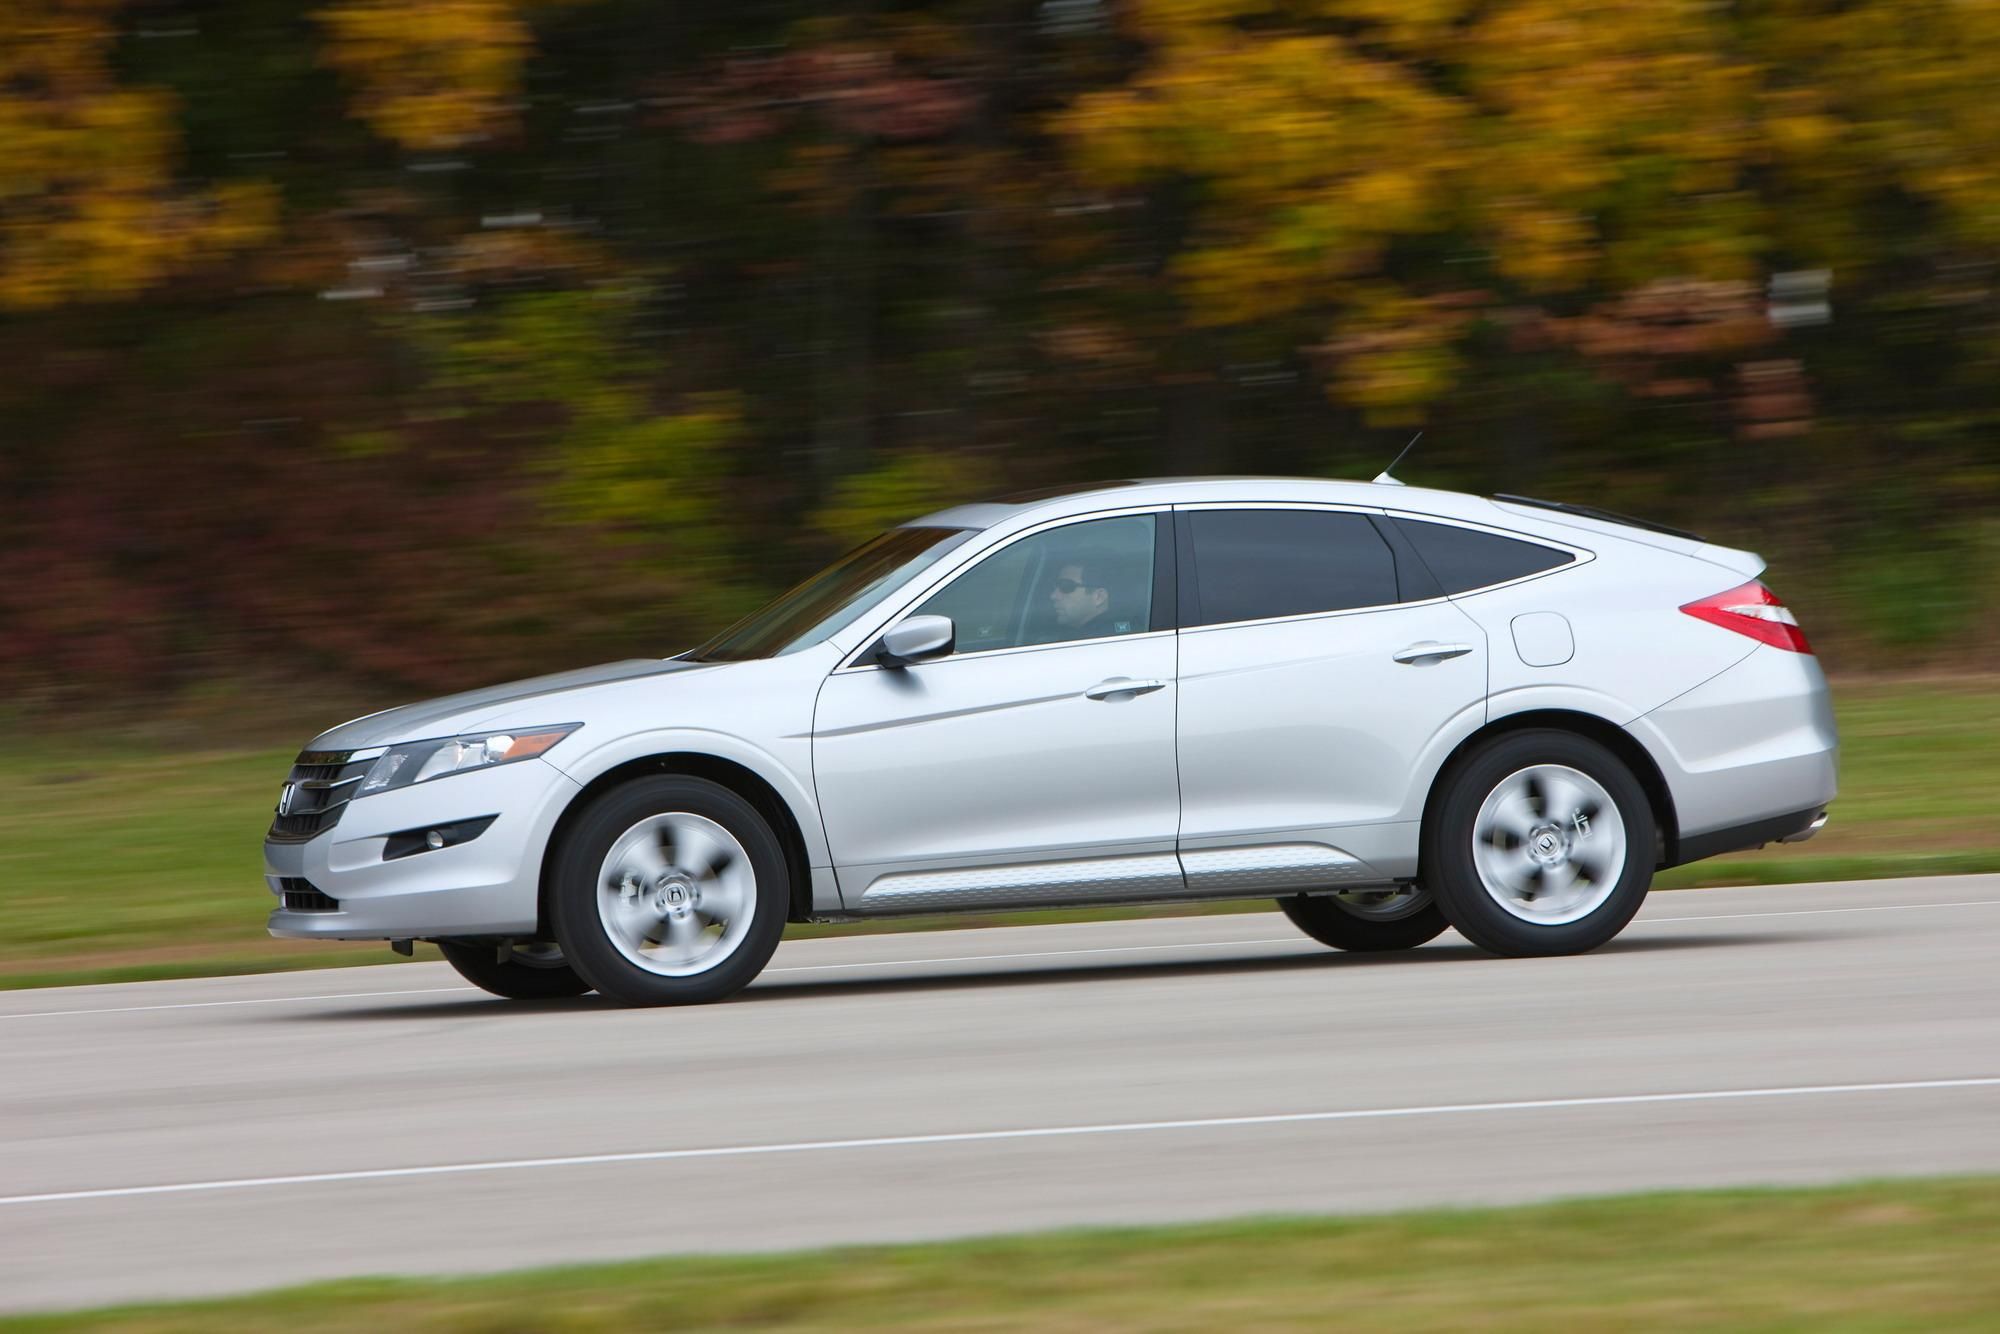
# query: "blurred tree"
{"points": [[588, 321], [434, 75], [90, 207], [1387, 175]]}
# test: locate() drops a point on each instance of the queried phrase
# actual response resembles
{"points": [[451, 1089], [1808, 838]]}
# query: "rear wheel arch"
{"points": [[740, 779], [1612, 737]]}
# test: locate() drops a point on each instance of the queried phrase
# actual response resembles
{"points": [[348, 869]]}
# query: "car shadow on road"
{"points": [[775, 988]]}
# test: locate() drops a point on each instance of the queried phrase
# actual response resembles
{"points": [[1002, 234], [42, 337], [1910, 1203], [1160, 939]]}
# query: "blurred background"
{"points": [[377, 348], [358, 350]]}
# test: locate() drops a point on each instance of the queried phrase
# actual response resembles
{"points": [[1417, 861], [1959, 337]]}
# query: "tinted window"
{"points": [[1251, 564], [1463, 558], [1081, 581]]}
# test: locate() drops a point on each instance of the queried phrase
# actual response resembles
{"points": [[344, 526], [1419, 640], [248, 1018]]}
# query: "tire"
{"points": [[531, 973], [669, 890], [1542, 844], [1367, 921]]}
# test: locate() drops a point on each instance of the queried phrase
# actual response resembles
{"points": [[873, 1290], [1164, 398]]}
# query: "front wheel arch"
{"points": [[1612, 737], [744, 782]]}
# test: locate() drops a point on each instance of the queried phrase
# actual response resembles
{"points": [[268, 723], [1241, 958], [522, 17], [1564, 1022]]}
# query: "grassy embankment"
{"points": [[1884, 1256], [118, 864]]}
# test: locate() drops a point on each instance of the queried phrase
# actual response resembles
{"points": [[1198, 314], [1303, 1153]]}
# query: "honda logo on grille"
{"points": [[291, 790]]}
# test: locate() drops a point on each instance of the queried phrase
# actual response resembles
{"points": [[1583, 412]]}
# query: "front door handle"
{"points": [[1431, 652], [1121, 685]]}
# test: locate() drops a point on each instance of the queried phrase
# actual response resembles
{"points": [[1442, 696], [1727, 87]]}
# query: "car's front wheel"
{"points": [[1368, 920], [669, 890], [1543, 843]]}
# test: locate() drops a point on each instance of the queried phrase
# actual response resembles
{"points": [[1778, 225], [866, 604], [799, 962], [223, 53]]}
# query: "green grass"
{"points": [[1916, 1256], [120, 863]]}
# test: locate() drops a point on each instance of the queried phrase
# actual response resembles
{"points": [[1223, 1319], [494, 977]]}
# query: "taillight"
{"points": [[1754, 610]]}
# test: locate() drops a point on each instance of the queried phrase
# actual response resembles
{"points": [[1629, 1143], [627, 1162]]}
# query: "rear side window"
{"points": [[1253, 564], [1463, 558]]}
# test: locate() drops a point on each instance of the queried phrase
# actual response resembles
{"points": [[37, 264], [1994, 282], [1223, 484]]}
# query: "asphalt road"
{"points": [[176, 1138]]}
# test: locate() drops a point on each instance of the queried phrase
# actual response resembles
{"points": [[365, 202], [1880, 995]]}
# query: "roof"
{"points": [[1084, 498]]}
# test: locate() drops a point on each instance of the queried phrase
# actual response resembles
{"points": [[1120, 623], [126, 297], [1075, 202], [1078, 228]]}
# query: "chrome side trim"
{"points": [[1103, 879], [1276, 868]]}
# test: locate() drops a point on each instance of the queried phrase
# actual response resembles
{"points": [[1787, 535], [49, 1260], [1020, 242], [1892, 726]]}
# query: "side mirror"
{"points": [[915, 640]]}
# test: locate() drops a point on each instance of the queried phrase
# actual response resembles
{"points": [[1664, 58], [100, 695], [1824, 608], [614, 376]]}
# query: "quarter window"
{"points": [[1465, 558], [1084, 580], [1250, 565]]}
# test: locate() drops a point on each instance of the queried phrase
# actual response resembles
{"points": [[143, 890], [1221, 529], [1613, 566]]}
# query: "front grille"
{"points": [[300, 896], [320, 784]]}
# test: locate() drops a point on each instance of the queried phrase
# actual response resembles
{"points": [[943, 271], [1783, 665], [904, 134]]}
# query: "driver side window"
{"points": [[1085, 580]]}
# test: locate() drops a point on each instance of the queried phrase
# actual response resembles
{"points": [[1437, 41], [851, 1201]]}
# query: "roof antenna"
{"points": [[1383, 478]]}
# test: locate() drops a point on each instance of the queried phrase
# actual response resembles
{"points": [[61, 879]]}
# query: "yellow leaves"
{"points": [[89, 207], [1394, 354], [1541, 248], [1313, 154], [900, 488], [1797, 124], [433, 75], [1566, 148], [1911, 90], [1259, 116], [1417, 25], [1595, 102]]}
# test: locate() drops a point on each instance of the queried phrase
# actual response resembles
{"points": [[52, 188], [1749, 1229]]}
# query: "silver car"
{"points": [[1393, 710]]}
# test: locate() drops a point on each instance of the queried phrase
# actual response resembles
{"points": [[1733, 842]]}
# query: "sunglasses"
{"points": [[1068, 586]]}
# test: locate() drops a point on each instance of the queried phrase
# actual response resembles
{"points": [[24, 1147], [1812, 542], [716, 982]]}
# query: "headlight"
{"points": [[421, 761]]}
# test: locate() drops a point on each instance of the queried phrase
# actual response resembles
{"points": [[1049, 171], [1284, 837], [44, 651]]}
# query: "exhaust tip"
{"points": [[1819, 823]]}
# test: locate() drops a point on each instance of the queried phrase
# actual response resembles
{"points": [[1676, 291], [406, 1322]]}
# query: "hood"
{"points": [[450, 715]]}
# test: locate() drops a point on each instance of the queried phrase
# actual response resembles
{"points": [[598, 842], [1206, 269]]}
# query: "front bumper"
{"points": [[488, 886]]}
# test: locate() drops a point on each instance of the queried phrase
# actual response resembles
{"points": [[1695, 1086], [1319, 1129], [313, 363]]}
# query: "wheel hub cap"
{"points": [[1549, 847], [676, 894], [1548, 844]]}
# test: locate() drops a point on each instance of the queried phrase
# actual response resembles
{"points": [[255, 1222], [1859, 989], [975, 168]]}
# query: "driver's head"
{"points": [[1078, 594]]}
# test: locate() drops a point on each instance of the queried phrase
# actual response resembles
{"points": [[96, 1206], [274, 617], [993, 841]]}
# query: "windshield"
{"points": [[832, 599]]}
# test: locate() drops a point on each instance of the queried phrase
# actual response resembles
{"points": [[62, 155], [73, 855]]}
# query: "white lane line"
{"points": [[1821, 912], [990, 1136], [985, 958]]}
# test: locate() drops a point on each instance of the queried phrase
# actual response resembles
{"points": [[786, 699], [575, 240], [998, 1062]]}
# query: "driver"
{"points": [[1082, 599]]}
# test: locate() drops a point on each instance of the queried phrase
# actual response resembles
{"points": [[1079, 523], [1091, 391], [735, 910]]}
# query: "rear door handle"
{"points": [[1121, 685], [1431, 652]]}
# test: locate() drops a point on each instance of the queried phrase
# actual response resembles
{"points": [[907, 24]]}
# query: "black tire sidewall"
{"points": [[573, 890], [481, 965], [1323, 918], [1448, 867]]}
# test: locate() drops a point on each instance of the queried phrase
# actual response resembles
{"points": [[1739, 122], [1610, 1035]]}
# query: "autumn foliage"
{"points": [[420, 344]]}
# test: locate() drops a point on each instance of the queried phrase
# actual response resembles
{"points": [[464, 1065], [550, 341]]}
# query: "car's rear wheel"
{"points": [[518, 970], [1543, 844], [1367, 920], [669, 890]]}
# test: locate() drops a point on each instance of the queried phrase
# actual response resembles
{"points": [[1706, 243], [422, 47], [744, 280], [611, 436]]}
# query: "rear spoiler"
{"points": [[1745, 564], [1601, 515]]}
